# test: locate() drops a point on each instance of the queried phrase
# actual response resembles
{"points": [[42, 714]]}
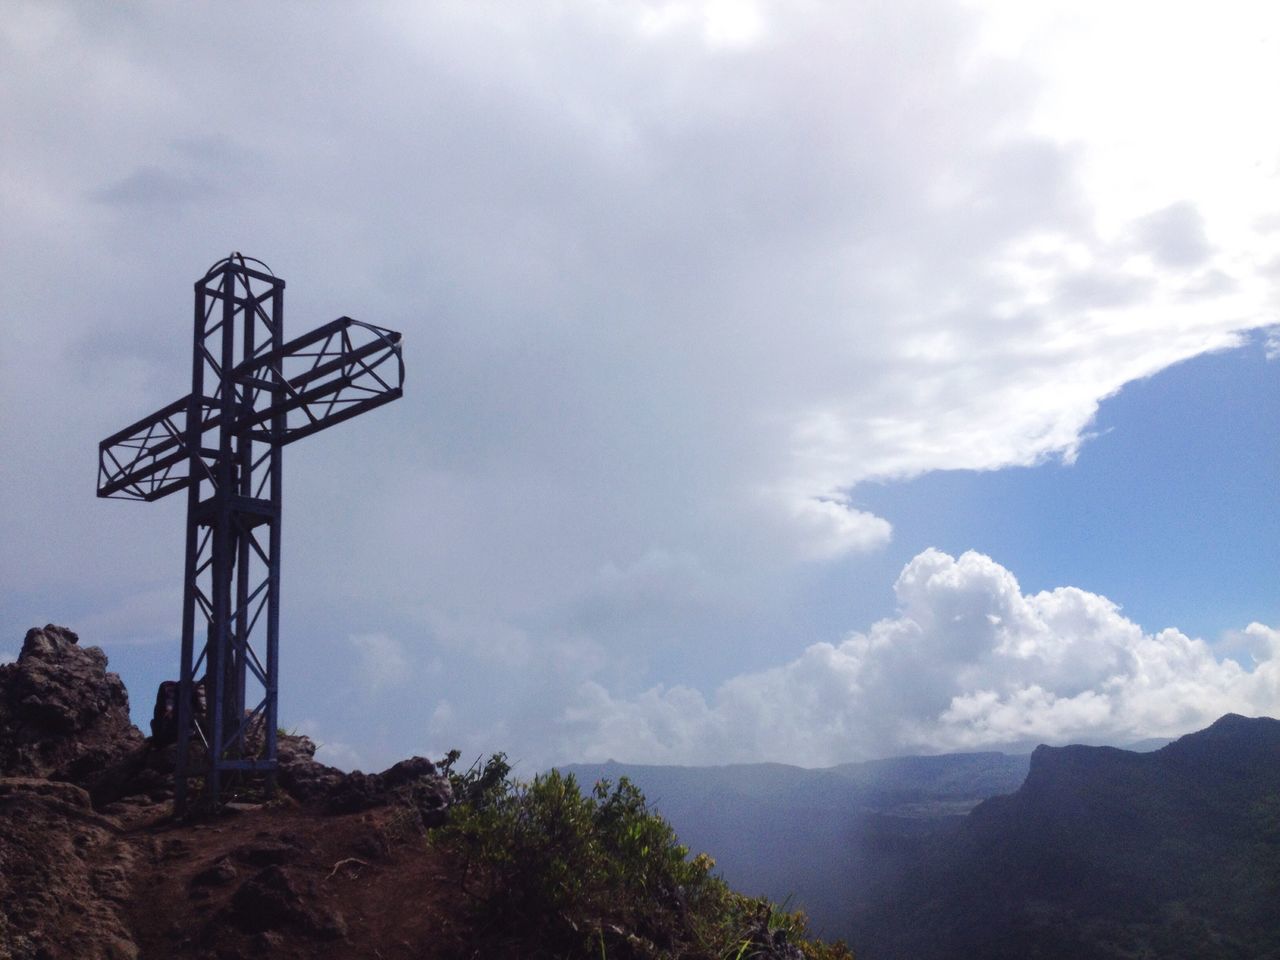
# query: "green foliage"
{"points": [[552, 872], [481, 785]]}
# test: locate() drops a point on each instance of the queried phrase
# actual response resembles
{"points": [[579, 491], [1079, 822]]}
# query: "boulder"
{"points": [[62, 715]]}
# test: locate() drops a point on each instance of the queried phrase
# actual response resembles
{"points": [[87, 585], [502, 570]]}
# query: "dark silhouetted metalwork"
{"points": [[251, 394]]}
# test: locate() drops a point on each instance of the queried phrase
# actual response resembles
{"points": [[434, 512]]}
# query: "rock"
{"points": [[63, 793], [62, 715], [219, 873], [355, 792], [414, 782], [299, 774], [268, 900], [431, 797], [84, 837], [269, 941], [274, 899], [407, 771], [65, 875], [327, 925]]}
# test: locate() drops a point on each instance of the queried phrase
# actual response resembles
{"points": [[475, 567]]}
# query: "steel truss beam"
{"points": [[336, 372], [252, 394]]}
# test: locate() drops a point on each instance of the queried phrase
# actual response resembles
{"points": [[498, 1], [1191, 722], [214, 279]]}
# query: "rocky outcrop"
{"points": [[82, 795], [62, 715], [64, 870], [64, 875], [415, 783], [300, 774]]}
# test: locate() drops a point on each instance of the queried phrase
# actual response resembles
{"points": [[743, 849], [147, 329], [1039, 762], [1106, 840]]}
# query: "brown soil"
{"points": [[314, 885]]}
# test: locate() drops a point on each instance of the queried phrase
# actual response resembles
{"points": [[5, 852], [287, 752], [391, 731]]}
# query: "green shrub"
{"points": [[552, 872]]}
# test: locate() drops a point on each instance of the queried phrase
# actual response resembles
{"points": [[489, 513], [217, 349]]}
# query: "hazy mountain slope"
{"points": [[1104, 853], [823, 838]]}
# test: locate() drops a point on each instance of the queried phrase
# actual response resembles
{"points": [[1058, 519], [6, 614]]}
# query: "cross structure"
{"points": [[252, 393]]}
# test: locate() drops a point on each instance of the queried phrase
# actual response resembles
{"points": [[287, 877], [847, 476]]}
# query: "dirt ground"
{"points": [[286, 882]]}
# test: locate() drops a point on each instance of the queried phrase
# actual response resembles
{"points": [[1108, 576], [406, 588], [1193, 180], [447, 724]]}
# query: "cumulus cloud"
{"points": [[968, 662], [829, 528]]}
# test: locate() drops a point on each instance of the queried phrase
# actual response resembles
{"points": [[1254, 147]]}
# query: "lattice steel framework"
{"points": [[251, 394]]}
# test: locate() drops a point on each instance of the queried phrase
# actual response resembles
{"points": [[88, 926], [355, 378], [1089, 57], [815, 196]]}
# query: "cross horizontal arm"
{"points": [[147, 460], [335, 372]]}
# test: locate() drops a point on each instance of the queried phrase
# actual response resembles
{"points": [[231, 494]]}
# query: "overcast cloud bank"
{"points": [[675, 279]]}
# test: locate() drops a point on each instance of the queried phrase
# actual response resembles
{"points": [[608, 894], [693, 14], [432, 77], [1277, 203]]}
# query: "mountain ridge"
{"points": [[847, 842], [1104, 853]]}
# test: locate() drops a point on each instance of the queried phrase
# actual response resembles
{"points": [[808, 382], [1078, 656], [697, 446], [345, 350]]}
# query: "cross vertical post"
{"points": [[252, 393]]}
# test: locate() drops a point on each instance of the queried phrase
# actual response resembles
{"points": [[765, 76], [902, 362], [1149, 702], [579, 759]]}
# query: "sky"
{"points": [[800, 381]]}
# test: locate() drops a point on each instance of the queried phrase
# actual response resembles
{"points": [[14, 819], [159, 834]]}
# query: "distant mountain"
{"points": [[1103, 853], [822, 839]]}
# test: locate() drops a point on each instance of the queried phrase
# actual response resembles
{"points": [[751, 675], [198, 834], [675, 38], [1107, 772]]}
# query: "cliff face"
{"points": [[1107, 853]]}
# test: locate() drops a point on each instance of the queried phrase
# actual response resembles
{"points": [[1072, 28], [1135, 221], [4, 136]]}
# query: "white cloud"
{"points": [[1175, 236], [381, 661], [675, 278], [440, 716], [829, 528], [969, 661], [824, 259]]}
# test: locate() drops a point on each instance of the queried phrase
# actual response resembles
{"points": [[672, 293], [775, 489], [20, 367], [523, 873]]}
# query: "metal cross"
{"points": [[251, 394]]}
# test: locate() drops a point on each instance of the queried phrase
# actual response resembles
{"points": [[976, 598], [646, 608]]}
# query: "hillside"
{"points": [[419, 861], [1105, 853]]}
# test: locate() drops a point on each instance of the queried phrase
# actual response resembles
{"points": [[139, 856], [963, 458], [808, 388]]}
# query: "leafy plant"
{"points": [[553, 872]]}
